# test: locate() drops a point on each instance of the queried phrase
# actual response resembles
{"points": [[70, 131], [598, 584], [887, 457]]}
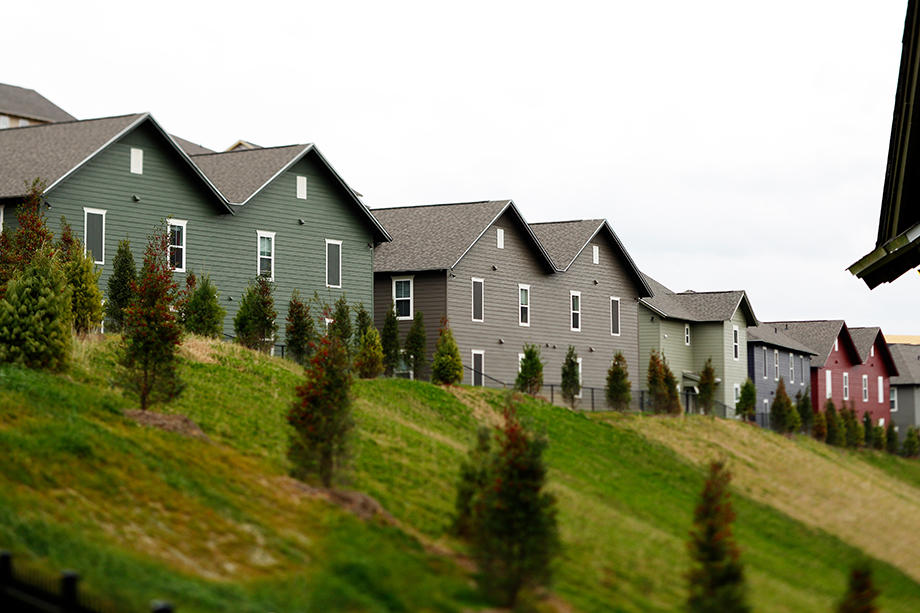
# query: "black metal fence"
{"points": [[27, 592]]}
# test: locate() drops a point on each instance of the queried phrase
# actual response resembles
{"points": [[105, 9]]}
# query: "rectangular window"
{"points": [[478, 367], [835, 344], [776, 365], [4, 122], [846, 386], [520, 361], [524, 305], [764, 362], [94, 233], [301, 187], [177, 244], [595, 254], [687, 334], [872, 351], [827, 383], [578, 395], [137, 161], [737, 390], [881, 421], [499, 238], [881, 390], [736, 342], [614, 316], [266, 264], [893, 399], [478, 290], [333, 263], [402, 297], [575, 309], [791, 368], [865, 388]]}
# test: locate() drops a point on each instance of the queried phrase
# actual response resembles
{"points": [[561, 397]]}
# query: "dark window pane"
{"points": [[524, 315], [477, 369], [576, 321], [402, 308], [175, 257], [333, 264], [94, 235], [265, 267]]}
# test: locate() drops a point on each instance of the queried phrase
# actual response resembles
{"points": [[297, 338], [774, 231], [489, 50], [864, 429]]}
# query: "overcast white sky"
{"points": [[731, 144]]}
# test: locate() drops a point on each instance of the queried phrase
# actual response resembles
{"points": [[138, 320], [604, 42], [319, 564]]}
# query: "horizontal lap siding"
{"points": [[766, 386], [649, 339]]}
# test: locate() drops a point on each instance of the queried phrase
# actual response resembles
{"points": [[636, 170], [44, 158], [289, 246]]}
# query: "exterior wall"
{"points": [[873, 367], [908, 411], [650, 336], [766, 386], [429, 297], [837, 362], [217, 243]]}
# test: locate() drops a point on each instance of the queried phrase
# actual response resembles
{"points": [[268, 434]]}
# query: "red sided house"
{"points": [[871, 391]]}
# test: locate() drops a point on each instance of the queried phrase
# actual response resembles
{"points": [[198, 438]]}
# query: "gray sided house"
{"points": [[283, 212], [502, 283], [905, 387], [772, 355], [687, 328]]}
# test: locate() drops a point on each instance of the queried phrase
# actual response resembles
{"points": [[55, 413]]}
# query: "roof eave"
{"points": [[889, 261]]}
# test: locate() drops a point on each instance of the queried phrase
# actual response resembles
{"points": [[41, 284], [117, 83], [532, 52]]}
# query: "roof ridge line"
{"points": [[248, 150], [51, 124], [420, 206]]}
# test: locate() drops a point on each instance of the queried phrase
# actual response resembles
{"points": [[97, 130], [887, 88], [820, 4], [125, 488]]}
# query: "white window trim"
{"points": [[411, 280], [137, 161], [482, 373], [881, 421], [572, 311], [836, 346], [88, 210], [764, 351], [828, 380], [301, 190], [736, 343], [893, 396], [687, 335], [522, 286], [183, 223], [595, 254], [499, 238], [332, 241], [776, 364], [865, 388], [881, 389], [473, 282], [791, 367], [619, 319], [872, 351], [578, 395], [260, 234], [846, 386]]}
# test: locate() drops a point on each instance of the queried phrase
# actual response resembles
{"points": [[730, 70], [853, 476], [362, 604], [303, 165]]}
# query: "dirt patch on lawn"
{"points": [[484, 412], [198, 349], [180, 424]]}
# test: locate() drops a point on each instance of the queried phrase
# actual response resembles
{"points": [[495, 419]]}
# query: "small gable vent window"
{"points": [[94, 233], [137, 161], [302, 187], [177, 244], [266, 254], [872, 351], [333, 263], [595, 254], [499, 238], [402, 297]]}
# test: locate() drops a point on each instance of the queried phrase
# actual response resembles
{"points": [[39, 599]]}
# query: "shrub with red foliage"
{"points": [[32, 235]]}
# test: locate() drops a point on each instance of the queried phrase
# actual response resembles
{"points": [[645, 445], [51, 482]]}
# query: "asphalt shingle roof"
{"points": [[189, 147], [864, 338], [772, 335], [817, 335], [563, 240], [693, 306], [907, 360], [239, 174], [28, 103], [50, 151]]}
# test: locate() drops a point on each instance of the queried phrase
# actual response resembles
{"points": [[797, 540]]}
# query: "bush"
{"points": [[300, 331], [389, 339], [120, 289], [618, 387], [571, 377], [867, 428], [321, 414], [819, 429], [891, 438], [716, 579], [415, 346], [806, 412], [834, 435], [340, 327], [149, 353], [363, 322], [861, 593], [369, 361], [746, 406], [35, 317], [85, 297], [878, 437], [783, 416], [254, 323], [474, 475], [530, 376], [911, 447], [707, 387], [662, 386], [19, 248], [203, 313], [855, 434], [447, 367]]}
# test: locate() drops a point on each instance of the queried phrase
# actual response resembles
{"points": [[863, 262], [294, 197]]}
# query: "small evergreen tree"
{"points": [[911, 447], [571, 378], [203, 313], [781, 410], [530, 376], [341, 322], [119, 290], [321, 414], [363, 321], [670, 384], [878, 437], [803, 406], [891, 438], [819, 429], [834, 436], [85, 297], [149, 354], [474, 478], [662, 386], [17, 249], [389, 338], [861, 593], [300, 331], [855, 435], [369, 361], [254, 323], [447, 367], [746, 406], [35, 316], [867, 428], [415, 345], [618, 392], [716, 579], [707, 387]]}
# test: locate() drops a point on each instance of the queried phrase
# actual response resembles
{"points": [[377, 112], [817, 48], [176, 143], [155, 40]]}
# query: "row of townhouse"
{"points": [[499, 281]]}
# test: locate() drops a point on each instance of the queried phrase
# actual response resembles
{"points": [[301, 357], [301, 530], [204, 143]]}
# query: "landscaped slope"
{"points": [[216, 524]]}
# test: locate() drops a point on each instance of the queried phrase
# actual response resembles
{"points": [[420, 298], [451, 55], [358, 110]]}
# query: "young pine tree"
{"points": [[707, 387], [746, 406], [673, 396], [341, 322], [617, 391], [321, 414], [85, 297], [911, 447], [861, 593], [474, 478], [389, 338], [819, 428], [867, 428], [369, 359], [415, 346], [447, 367], [834, 436], [716, 579], [781, 408], [571, 377], [878, 437], [17, 249], [662, 386], [149, 354], [254, 323], [530, 376], [891, 438], [803, 406], [203, 313], [855, 435], [119, 290], [363, 321], [300, 331]]}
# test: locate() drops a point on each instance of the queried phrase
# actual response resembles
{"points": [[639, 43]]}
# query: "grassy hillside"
{"points": [[216, 524]]}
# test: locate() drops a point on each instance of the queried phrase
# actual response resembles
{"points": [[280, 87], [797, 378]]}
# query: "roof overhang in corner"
{"points": [[890, 260], [743, 301]]}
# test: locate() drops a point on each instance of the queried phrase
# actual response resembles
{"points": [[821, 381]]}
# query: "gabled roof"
{"points": [[565, 240], [697, 306], [819, 336], [771, 335], [437, 236], [907, 361], [189, 147], [865, 338], [28, 103], [242, 144]]}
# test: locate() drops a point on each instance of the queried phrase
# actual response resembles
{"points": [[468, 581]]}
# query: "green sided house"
{"points": [[283, 212], [687, 328]]}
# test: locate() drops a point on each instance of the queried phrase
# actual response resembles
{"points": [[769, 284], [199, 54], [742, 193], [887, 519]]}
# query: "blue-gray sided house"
{"points": [[773, 355], [905, 387], [281, 212]]}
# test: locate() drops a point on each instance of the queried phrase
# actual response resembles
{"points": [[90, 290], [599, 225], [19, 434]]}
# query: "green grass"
{"points": [[209, 526]]}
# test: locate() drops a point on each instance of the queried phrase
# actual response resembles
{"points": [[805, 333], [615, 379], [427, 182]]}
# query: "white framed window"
{"points": [[520, 361], [477, 299], [687, 334], [94, 233], [402, 297], [301, 187], [177, 237], [523, 305], [595, 254], [137, 161], [477, 377], [614, 316], [499, 238], [791, 367], [764, 350], [575, 311], [578, 395], [736, 343], [776, 364], [737, 390], [827, 383], [872, 351], [333, 263], [881, 390], [846, 386], [23, 122], [865, 388], [265, 265], [836, 345], [893, 399]]}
